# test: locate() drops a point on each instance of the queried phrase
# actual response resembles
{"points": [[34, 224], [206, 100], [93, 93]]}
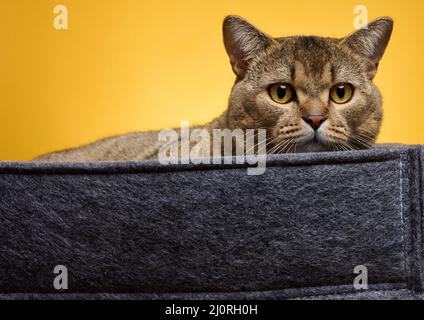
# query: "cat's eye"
{"points": [[281, 93], [341, 93]]}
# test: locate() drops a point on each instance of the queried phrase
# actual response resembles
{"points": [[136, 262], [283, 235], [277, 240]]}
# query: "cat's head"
{"points": [[310, 93]]}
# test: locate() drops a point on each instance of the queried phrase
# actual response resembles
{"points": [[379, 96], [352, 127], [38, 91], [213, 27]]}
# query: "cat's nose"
{"points": [[314, 120]]}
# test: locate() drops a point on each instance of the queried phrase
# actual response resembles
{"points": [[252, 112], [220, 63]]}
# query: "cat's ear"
{"points": [[242, 41], [371, 41]]}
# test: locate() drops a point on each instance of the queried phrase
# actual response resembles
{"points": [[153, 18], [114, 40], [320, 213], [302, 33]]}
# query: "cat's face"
{"points": [[310, 93]]}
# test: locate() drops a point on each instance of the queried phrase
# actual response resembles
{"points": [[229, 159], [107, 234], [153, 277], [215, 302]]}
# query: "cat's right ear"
{"points": [[242, 41]]}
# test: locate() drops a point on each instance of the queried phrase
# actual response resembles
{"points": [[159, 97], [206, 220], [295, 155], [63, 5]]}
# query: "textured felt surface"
{"points": [[141, 230]]}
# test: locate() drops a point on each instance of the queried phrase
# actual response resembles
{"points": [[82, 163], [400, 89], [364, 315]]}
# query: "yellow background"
{"points": [[128, 65]]}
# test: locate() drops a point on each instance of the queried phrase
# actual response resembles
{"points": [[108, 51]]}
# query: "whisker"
{"points": [[267, 142], [286, 147]]}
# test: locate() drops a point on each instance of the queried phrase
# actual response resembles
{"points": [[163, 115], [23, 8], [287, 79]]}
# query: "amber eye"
{"points": [[281, 93], [341, 93]]}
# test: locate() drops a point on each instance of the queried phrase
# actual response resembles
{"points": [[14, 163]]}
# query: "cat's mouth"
{"points": [[322, 140], [317, 142], [314, 145], [307, 138], [311, 142]]}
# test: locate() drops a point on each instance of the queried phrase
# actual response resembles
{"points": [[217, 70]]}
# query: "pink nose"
{"points": [[314, 120]]}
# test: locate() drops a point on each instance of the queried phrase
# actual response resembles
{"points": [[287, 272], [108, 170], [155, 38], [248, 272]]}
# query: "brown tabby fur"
{"points": [[312, 65]]}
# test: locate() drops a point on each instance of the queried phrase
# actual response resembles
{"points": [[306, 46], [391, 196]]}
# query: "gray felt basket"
{"points": [[141, 230]]}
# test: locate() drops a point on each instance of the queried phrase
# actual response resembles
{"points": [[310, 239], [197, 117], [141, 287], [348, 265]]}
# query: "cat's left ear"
{"points": [[371, 42]]}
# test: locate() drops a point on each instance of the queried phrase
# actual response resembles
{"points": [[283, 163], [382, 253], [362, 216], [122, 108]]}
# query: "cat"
{"points": [[309, 93]]}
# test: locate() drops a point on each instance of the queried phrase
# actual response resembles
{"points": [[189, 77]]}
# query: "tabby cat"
{"points": [[309, 93]]}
